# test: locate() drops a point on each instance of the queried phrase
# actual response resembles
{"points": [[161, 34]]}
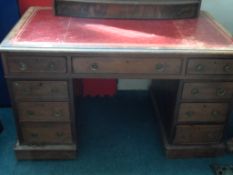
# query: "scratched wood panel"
{"points": [[129, 9]]}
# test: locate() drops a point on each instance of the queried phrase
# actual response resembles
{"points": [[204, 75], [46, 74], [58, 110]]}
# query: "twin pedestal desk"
{"points": [[190, 63]]}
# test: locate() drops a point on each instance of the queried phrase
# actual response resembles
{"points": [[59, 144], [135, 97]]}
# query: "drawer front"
{"points": [[36, 64], [198, 134], [208, 91], [40, 89], [46, 133], [213, 66], [43, 111], [124, 65], [203, 112]]}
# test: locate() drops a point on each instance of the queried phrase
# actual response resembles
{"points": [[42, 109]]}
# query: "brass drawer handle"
{"points": [[22, 66], [60, 134], [227, 68], [195, 91], [16, 84], [220, 92], [57, 114], [30, 113], [159, 67], [94, 66], [199, 67], [189, 114], [215, 114], [34, 135], [51, 66]]}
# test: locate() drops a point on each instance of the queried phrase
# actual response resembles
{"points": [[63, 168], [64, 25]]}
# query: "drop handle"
{"points": [[220, 92], [51, 66], [160, 67], [195, 91], [22, 66], [57, 114], [199, 67], [16, 84], [227, 68], [189, 114], [215, 113], [94, 66]]}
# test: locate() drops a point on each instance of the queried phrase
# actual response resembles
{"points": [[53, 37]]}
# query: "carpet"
{"points": [[116, 135]]}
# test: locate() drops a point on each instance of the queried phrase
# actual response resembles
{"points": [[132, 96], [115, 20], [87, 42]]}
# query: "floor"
{"points": [[117, 135]]}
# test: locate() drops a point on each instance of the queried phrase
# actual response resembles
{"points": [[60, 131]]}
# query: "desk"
{"points": [[190, 63]]}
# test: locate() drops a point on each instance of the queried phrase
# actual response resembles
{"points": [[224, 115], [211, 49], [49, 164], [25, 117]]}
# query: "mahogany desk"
{"points": [[190, 63]]}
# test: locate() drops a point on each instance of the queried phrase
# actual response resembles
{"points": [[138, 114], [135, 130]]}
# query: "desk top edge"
{"points": [[6, 46]]}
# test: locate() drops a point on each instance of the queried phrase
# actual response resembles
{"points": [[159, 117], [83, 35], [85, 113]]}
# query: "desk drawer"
{"points": [[44, 111], [210, 66], [203, 112], [20, 64], [127, 65], [46, 133], [40, 89], [198, 134], [208, 91]]}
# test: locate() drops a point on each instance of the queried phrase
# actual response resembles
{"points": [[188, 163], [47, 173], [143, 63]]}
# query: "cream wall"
{"points": [[222, 11]]}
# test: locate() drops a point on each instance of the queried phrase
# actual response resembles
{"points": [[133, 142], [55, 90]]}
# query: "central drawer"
{"points": [[127, 65], [43, 111], [198, 134], [46, 133], [40, 89]]}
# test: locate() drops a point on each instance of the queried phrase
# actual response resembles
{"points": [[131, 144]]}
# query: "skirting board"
{"points": [[26, 152]]}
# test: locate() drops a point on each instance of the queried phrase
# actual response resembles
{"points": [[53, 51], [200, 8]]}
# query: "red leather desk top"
{"points": [[41, 29]]}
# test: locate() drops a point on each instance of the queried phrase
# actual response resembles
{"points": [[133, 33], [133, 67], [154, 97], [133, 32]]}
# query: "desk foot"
{"points": [[230, 145], [191, 151], [33, 152]]}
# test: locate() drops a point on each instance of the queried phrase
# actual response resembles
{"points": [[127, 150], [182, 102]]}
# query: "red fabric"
{"points": [[99, 87], [24, 4]]}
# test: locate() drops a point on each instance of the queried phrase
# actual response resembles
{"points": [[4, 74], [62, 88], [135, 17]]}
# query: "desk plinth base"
{"points": [[230, 145], [186, 151], [191, 151], [27, 152]]}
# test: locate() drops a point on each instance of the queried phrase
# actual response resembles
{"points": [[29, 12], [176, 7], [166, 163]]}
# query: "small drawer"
{"points": [[208, 91], [198, 134], [210, 66], [203, 112], [35, 64], [44, 111], [46, 133], [40, 89], [127, 65]]}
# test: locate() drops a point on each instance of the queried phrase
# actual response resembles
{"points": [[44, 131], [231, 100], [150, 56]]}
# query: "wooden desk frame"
{"points": [[129, 56]]}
